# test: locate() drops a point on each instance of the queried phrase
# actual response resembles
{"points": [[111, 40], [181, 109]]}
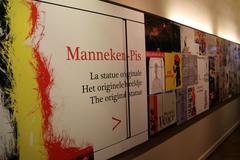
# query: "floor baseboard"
{"points": [[206, 154]]}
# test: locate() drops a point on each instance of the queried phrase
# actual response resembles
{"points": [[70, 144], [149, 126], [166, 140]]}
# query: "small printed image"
{"points": [[211, 42], [188, 44], [191, 102], [233, 68], [156, 75], [173, 71], [202, 88], [162, 111], [189, 70], [181, 100], [213, 82], [226, 70], [161, 34], [202, 98], [220, 45], [200, 39]]}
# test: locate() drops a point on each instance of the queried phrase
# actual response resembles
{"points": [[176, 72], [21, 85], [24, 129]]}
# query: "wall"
{"points": [[193, 142], [222, 19]]}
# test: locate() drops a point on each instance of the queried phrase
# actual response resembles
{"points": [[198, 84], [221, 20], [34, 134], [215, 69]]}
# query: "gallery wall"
{"points": [[197, 141], [221, 18]]}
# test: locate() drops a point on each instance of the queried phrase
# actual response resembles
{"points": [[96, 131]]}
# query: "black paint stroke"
{"points": [[6, 74]]}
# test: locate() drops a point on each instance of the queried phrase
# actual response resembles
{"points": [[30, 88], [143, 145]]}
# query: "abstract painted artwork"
{"points": [[26, 79]]}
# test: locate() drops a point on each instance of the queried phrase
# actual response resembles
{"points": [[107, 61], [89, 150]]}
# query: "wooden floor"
{"points": [[229, 149]]}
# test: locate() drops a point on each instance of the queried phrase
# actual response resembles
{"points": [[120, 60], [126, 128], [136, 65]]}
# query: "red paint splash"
{"points": [[34, 17], [45, 82], [57, 147]]}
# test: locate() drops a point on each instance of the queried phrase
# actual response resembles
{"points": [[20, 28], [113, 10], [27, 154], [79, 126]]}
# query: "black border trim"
{"points": [[127, 77]]}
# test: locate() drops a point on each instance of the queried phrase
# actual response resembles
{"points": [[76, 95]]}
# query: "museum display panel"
{"points": [[90, 79], [78, 86]]}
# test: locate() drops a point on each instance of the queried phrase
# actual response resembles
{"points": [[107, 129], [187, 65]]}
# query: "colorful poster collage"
{"points": [[198, 70], [164, 63]]}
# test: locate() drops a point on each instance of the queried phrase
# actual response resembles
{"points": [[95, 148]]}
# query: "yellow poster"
{"points": [[173, 71]]}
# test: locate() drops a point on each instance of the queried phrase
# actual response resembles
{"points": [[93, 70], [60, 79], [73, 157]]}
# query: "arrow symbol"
{"points": [[118, 122]]}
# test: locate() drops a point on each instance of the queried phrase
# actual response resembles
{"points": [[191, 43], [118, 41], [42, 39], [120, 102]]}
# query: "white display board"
{"points": [[156, 75], [137, 79], [91, 52], [188, 44]]}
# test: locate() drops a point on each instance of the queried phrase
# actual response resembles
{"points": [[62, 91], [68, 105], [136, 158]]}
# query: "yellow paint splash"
{"points": [[26, 103]]}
